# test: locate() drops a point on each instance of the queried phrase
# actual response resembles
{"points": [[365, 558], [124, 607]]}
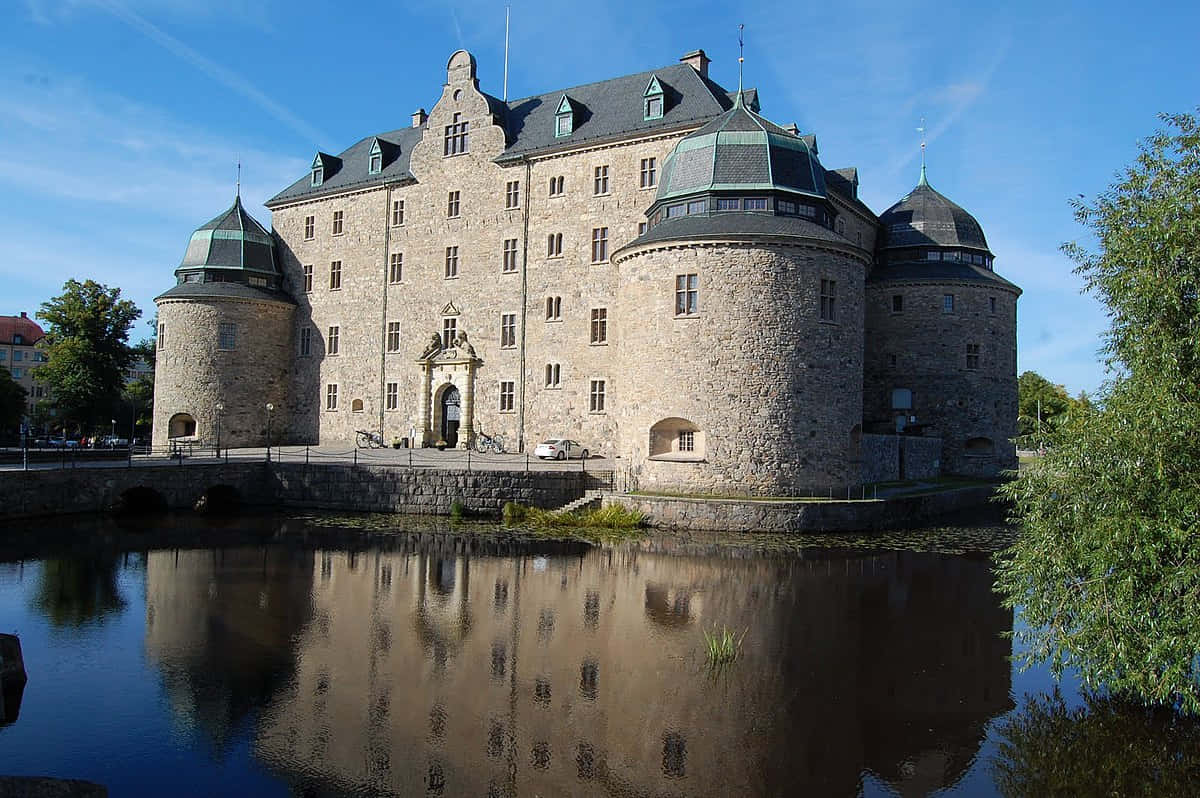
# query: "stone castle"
{"points": [[645, 264]]}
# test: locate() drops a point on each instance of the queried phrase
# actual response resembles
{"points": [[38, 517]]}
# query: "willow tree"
{"points": [[1106, 572]]}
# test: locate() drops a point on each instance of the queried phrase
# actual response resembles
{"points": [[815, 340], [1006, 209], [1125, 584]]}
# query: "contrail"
{"points": [[213, 70]]}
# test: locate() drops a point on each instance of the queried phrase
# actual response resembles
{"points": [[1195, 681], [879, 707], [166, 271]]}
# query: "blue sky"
{"points": [[121, 120]]}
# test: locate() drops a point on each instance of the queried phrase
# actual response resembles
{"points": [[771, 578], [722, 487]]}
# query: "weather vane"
{"points": [[239, 177], [921, 130], [741, 55]]}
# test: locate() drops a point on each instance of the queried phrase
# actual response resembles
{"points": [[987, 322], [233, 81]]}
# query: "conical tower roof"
{"points": [[232, 240], [925, 217]]}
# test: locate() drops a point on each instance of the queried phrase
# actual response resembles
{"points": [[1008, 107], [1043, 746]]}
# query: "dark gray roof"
{"points": [[350, 169], [927, 218], [611, 108], [740, 150], [735, 223], [223, 291], [938, 272], [233, 240], [605, 110]]}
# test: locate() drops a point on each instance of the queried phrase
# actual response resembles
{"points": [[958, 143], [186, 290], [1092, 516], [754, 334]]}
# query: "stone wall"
{"points": [[887, 458], [923, 348], [774, 391], [193, 376], [732, 515]]}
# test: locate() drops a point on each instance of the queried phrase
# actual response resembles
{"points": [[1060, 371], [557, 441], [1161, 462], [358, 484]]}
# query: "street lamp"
{"points": [[270, 407], [113, 434], [220, 410]]}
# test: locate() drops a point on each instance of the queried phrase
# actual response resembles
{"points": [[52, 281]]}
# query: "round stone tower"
{"points": [[742, 332], [941, 353], [224, 340]]}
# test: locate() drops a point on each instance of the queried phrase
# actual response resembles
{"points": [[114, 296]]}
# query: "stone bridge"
{"points": [[25, 494]]}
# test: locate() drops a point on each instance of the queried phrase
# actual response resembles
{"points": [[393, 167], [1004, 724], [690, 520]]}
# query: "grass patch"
{"points": [[606, 524], [722, 647]]}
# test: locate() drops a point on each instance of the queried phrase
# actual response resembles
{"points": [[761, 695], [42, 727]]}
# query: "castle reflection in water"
{"points": [[448, 665]]}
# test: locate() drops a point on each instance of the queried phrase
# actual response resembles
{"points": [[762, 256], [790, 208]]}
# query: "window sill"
{"points": [[554, 257], [398, 225], [338, 235], [678, 458], [605, 194], [451, 277], [553, 387], [310, 239], [506, 412], [600, 262], [597, 343], [557, 320], [597, 412], [508, 348], [339, 288], [685, 316], [510, 271]]}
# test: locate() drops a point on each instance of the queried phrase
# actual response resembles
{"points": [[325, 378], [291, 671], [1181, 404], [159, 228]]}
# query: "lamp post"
{"points": [[270, 407], [220, 411]]}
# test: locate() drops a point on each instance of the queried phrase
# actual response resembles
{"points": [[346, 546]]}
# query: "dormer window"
{"points": [[564, 117], [375, 160], [652, 100], [318, 170]]}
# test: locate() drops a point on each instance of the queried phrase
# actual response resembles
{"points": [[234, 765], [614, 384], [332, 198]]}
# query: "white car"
{"points": [[560, 449]]}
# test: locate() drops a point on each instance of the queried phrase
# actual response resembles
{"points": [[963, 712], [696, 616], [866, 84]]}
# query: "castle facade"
{"points": [[646, 265]]}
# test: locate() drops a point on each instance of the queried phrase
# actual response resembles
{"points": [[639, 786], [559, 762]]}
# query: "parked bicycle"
{"points": [[369, 440], [485, 443]]}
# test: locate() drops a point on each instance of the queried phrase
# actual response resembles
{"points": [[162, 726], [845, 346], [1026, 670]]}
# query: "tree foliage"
{"points": [[86, 344], [1106, 572], [12, 402], [1042, 406]]}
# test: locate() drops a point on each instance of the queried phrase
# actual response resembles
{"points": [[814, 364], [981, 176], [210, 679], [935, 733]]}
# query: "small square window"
{"points": [[654, 107], [687, 440], [729, 204], [642, 227], [310, 227]]}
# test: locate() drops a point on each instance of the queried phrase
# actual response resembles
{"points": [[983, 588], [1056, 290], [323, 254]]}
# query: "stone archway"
{"points": [[449, 411], [181, 425]]}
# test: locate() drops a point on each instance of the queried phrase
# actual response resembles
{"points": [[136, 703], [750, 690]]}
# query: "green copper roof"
{"points": [[233, 240]]}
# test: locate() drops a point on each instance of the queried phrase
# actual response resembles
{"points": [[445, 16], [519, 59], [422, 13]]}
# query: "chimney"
{"points": [[792, 128], [698, 61], [23, 315], [419, 117]]}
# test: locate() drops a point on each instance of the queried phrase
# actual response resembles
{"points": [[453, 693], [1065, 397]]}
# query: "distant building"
{"points": [[645, 264], [139, 369], [19, 336]]}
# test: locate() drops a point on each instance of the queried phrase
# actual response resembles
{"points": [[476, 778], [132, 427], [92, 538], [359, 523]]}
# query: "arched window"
{"points": [[980, 446], [182, 425], [356, 406], [677, 439]]}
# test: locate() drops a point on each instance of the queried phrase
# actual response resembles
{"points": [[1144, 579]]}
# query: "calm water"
{"points": [[330, 656]]}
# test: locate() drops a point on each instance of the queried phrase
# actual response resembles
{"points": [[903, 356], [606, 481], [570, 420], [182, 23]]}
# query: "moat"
{"points": [[364, 655]]}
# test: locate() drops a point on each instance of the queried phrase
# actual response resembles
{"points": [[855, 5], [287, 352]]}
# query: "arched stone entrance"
{"points": [[450, 411], [447, 402], [181, 425]]}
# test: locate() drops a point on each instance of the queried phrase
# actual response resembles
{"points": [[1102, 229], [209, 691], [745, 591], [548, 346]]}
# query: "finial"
{"points": [[741, 60], [239, 178], [921, 130]]}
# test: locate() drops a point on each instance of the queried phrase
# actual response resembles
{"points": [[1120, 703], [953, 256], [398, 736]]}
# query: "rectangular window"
{"points": [[305, 341], [331, 396], [933, 256], [332, 342], [992, 304], [897, 303], [455, 142], [16, 373], [947, 303], [510, 256], [397, 213], [828, 300], [596, 397], [391, 397], [308, 278], [687, 441], [755, 204], [649, 172], [687, 294], [310, 227], [599, 244], [451, 262], [556, 186], [393, 336], [642, 227], [972, 357], [553, 375], [554, 245], [600, 184], [697, 206], [553, 308], [226, 336], [335, 275], [452, 204], [396, 268], [507, 395], [338, 216], [508, 330], [512, 194], [449, 331], [162, 336], [599, 334], [727, 204]]}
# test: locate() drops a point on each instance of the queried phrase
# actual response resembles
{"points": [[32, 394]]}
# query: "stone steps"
{"points": [[589, 497]]}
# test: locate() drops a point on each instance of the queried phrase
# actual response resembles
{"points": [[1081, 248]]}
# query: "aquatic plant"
{"points": [[722, 647]]}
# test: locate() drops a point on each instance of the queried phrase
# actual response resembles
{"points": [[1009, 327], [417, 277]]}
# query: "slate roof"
{"points": [[938, 271], [609, 109], [734, 223], [232, 240], [925, 217], [29, 330], [223, 291], [740, 150]]}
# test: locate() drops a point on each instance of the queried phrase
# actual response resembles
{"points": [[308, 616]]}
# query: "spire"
{"points": [[740, 101], [238, 195], [921, 130]]}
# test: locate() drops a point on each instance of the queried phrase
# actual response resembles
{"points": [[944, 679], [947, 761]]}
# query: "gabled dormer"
{"points": [[564, 117], [375, 158], [653, 102], [320, 166]]}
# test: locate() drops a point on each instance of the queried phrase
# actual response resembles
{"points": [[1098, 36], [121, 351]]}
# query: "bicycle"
{"points": [[369, 440], [484, 443]]}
